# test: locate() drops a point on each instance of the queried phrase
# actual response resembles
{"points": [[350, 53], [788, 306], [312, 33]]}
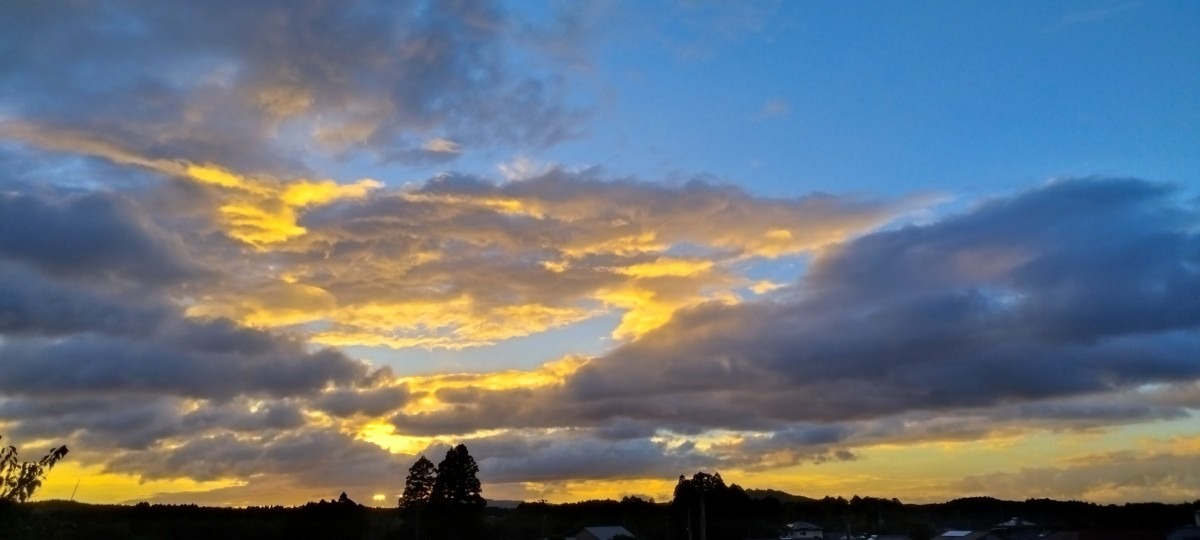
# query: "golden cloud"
{"points": [[263, 210], [457, 263]]}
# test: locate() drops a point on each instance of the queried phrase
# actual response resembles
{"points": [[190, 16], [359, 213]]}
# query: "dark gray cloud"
{"points": [[87, 309], [93, 422], [803, 442], [213, 359], [96, 424], [31, 304], [91, 236], [307, 456], [536, 456], [237, 416], [369, 402], [234, 83], [1070, 289]]}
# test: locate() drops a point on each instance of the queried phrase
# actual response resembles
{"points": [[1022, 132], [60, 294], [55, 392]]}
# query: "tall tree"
{"points": [[457, 487], [708, 505], [418, 488]]}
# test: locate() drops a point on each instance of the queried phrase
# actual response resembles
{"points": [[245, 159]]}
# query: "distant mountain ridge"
{"points": [[782, 496]]}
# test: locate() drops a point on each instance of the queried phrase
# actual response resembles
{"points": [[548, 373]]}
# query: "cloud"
{"points": [[774, 108], [93, 237], [372, 402], [525, 257], [443, 146], [87, 316], [308, 457], [94, 423], [31, 305], [1091, 16], [244, 85], [533, 456], [1067, 290], [455, 261], [1051, 309], [462, 262], [213, 359], [522, 168], [1125, 476]]}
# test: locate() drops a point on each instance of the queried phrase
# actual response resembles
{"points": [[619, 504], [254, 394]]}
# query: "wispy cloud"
{"points": [[774, 108]]}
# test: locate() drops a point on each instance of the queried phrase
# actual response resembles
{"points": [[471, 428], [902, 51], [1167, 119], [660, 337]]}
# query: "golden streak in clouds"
{"points": [[647, 307], [508, 206], [280, 303], [455, 323], [666, 266], [261, 211], [424, 390], [550, 373]]}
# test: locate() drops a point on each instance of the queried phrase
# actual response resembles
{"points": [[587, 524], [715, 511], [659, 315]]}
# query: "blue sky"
{"points": [[968, 98], [263, 253]]}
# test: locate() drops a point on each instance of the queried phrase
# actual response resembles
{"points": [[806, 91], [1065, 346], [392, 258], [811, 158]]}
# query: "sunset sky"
{"points": [[265, 252]]}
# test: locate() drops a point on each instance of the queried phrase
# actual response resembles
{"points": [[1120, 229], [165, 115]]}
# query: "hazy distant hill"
{"points": [[783, 496], [502, 503]]}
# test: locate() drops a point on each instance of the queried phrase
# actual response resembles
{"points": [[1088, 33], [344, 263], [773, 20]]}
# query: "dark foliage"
{"points": [[446, 502], [705, 508], [457, 487], [418, 487], [20, 480]]}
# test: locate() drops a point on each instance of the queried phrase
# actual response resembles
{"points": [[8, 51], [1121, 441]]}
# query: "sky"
{"points": [[263, 253]]}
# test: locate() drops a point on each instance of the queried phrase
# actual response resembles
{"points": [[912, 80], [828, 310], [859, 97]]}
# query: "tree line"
{"points": [[445, 501]]}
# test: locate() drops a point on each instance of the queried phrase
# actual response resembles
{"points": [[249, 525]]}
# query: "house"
{"points": [[1019, 529], [801, 529], [968, 535], [603, 533]]}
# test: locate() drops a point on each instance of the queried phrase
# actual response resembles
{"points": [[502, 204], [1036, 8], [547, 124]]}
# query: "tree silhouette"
{"points": [[456, 501], [456, 485], [19, 480], [418, 488], [708, 506]]}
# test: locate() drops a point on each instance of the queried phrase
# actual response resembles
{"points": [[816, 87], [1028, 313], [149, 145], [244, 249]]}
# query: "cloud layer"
{"points": [[1055, 308], [245, 84]]}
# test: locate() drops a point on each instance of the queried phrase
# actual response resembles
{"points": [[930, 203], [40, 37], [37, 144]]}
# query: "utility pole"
{"points": [[703, 521]]}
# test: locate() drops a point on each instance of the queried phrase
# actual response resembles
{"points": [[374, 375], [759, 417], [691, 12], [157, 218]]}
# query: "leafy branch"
{"points": [[20, 480]]}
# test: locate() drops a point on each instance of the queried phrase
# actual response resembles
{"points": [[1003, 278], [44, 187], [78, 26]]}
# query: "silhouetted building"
{"points": [[1018, 529], [801, 529], [602, 533], [1013, 529], [968, 535]]}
